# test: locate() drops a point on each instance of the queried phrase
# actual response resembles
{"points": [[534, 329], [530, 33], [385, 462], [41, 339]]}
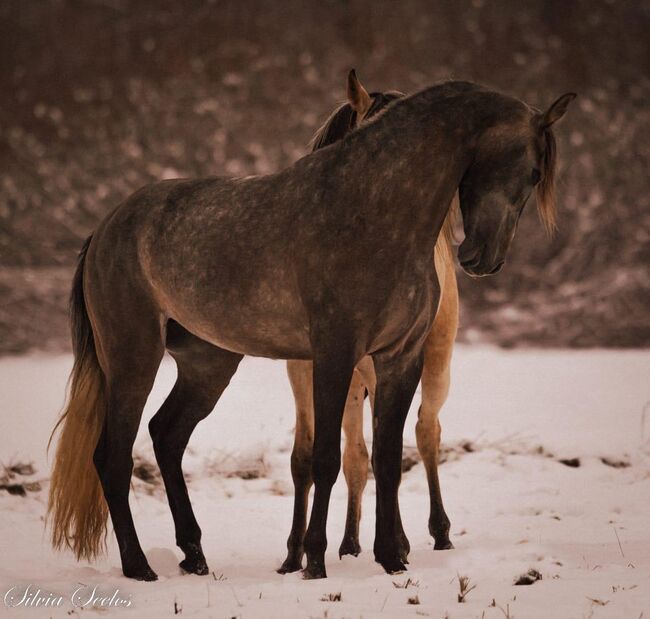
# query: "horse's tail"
{"points": [[77, 509]]}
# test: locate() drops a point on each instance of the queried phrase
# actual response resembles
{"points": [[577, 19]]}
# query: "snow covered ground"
{"points": [[513, 505]]}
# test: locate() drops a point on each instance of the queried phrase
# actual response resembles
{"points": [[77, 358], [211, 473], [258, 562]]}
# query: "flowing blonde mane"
{"points": [[545, 189], [446, 238]]}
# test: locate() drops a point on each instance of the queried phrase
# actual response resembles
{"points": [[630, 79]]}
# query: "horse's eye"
{"points": [[535, 176]]}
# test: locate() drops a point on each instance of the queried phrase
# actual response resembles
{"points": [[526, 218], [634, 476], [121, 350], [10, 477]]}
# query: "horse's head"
{"points": [[360, 106], [512, 158]]}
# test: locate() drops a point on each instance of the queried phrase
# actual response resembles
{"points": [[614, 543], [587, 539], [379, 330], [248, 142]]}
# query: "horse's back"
{"points": [[214, 256]]}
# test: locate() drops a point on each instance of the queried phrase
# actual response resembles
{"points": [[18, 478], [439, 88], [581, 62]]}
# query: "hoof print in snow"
{"points": [[530, 577], [574, 463]]}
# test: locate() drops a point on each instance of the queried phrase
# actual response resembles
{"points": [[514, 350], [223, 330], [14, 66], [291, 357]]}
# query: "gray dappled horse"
{"points": [[328, 260]]}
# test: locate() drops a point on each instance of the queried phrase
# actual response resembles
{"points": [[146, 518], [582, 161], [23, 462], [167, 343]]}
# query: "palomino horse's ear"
{"points": [[358, 96], [556, 110]]}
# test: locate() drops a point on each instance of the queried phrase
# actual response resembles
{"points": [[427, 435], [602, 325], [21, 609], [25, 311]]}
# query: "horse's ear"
{"points": [[358, 96], [556, 110]]}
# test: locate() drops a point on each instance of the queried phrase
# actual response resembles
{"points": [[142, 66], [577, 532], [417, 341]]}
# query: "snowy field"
{"points": [[510, 420]]}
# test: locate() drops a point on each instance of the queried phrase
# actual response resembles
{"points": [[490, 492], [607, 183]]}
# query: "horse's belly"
{"points": [[268, 338], [261, 327]]}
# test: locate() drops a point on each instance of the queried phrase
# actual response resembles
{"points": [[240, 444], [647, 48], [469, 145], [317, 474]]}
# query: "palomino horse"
{"points": [[435, 379], [328, 260]]}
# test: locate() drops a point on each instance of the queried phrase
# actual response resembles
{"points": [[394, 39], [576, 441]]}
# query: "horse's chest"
{"points": [[408, 318]]}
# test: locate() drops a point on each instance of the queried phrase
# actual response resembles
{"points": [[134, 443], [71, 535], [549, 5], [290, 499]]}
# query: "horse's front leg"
{"points": [[366, 369], [300, 377], [397, 380], [333, 369]]}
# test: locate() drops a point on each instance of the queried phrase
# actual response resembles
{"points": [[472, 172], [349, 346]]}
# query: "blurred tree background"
{"points": [[102, 96]]}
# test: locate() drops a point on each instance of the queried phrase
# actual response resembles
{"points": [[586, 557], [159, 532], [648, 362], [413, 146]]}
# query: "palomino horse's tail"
{"points": [[77, 509]]}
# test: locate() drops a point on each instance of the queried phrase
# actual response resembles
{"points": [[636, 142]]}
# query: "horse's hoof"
{"points": [[144, 573], [443, 544], [349, 546], [392, 566], [194, 565], [403, 551], [194, 561], [314, 571], [289, 566]]}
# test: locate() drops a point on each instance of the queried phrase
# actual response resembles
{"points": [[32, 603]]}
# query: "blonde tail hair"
{"points": [[77, 510]]}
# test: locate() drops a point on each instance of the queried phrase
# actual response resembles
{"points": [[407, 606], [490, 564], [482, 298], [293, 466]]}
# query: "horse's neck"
{"points": [[413, 181]]}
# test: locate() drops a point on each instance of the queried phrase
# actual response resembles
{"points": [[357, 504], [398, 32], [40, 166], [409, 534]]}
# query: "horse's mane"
{"points": [[336, 126], [342, 120], [545, 189]]}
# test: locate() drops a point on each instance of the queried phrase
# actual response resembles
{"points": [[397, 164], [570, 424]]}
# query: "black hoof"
{"points": [[290, 565], [349, 546], [404, 547], [194, 561], [195, 565], [144, 573], [393, 565], [403, 550], [443, 544], [314, 570]]}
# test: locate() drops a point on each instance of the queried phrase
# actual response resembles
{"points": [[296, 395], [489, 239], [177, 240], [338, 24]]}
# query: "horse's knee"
{"points": [[435, 383], [427, 432], [300, 464], [325, 467], [355, 462], [301, 456]]}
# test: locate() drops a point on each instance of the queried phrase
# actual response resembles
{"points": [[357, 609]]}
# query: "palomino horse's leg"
{"points": [[332, 375], [367, 371], [397, 380], [300, 376], [130, 351], [435, 387], [355, 464], [204, 371], [355, 459]]}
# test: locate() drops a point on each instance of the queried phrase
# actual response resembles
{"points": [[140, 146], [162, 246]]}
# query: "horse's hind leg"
{"points": [[355, 464], [300, 377], [130, 350], [204, 371], [435, 387]]}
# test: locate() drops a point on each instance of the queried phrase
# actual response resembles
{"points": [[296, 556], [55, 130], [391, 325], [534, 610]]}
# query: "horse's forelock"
{"points": [[545, 189]]}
